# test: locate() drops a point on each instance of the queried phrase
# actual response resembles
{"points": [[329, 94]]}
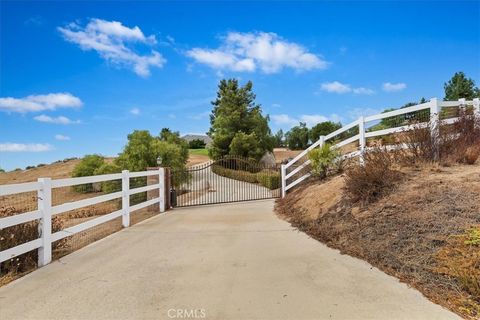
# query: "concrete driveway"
{"points": [[234, 261]]}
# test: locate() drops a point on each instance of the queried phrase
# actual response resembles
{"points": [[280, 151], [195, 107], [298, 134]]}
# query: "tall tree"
{"points": [[279, 136], [459, 86], [297, 137], [322, 129], [235, 112]]}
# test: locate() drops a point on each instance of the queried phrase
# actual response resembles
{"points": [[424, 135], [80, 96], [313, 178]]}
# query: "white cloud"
{"points": [[21, 147], [309, 119], [257, 50], [341, 88], [362, 90], [35, 103], [335, 87], [393, 87], [283, 119], [57, 120], [135, 111], [113, 42], [61, 137]]}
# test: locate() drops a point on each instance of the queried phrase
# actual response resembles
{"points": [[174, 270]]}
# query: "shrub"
{"points": [[2, 170], [240, 175], [112, 185], [22, 233], [375, 178], [456, 142], [322, 159], [269, 179], [197, 144], [86, 167], [41, 165], [472, 154], [29, 167]]}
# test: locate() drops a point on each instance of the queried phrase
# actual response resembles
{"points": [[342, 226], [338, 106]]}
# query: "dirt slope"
{"points": [[406, 233], [56, 170]]}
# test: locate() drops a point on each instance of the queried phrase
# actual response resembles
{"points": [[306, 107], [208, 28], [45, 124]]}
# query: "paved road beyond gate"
{"points": [[230, 179]]}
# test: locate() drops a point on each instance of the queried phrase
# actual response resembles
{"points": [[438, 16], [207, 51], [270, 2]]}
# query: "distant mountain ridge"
{"points": [[203, 137]]}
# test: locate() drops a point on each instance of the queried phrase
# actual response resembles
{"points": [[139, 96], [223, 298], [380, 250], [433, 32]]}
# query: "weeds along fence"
{"points": [[49, 218], [356, 138]]}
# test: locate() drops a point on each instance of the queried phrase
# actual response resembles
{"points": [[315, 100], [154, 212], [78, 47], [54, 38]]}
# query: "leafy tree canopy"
{"points": [[246, 145], [88, 165], [143, 150], [297, 137], [279, 139], [459, 86], [196, 144], [322, 129], [235, 111]]}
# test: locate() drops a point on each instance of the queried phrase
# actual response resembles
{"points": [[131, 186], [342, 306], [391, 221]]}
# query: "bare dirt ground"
{"points": [[420, 233], [194, 159], [284, 153]]}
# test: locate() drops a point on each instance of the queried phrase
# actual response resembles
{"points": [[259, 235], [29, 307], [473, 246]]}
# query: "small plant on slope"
{"points": [[322, 160]]}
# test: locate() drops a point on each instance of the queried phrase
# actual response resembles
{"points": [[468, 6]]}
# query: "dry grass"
{"points": [[372, 180], [404, 232], [282, 154]]}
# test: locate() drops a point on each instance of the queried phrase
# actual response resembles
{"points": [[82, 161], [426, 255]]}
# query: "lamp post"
{"points": [[159, 161]]}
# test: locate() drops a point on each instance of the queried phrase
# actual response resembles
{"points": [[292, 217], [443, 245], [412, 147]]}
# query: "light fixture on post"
{"points": [[159, 161]]}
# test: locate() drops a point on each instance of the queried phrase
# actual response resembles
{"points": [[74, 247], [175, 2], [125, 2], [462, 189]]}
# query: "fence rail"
{"points": [[46, 211], [293, 172]]}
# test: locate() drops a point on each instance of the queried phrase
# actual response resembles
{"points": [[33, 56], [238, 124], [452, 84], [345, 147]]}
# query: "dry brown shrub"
{"points": [[19, 234], [472, 154], [457, 142], [375, 178]]}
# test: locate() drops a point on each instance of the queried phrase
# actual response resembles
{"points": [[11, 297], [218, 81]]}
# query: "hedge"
{"points": [[235, 174], [269, 179]]}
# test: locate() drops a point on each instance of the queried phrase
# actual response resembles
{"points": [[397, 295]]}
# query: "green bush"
{"points": [[87, 167], [111, 185], [196, 144], [269, 179], [322, 159], [234, 174]]}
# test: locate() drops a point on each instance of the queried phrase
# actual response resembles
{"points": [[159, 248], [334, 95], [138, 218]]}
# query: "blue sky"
{"points": [[77, 77]]}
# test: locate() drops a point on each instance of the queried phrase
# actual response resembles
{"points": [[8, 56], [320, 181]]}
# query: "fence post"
{"points": [[161, 188], [476, 107], [45, 224], [462, 104], [282, 177], [322, 141], [361, 138], [435, 124], [125, 199]]}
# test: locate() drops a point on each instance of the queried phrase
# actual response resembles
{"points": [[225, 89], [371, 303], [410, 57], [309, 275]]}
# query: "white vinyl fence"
{"points": [[45, 211], [294, 173]]}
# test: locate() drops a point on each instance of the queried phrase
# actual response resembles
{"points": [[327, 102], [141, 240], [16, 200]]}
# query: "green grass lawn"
{"points": [[198, 152]]}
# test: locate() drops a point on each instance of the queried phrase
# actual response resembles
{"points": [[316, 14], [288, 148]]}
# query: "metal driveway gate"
{"points": [[229, 179]]}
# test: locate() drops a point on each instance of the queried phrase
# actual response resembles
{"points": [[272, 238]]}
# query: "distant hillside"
{"points": [[55, 170], [203, 137]]}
